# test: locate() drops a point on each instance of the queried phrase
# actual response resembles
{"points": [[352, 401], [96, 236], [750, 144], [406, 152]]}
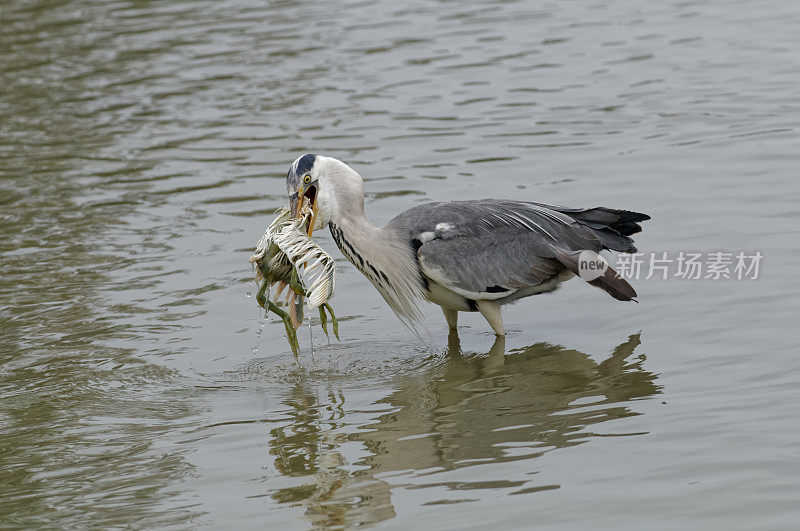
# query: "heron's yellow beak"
{"points": [[311, 223], [297, 202]]}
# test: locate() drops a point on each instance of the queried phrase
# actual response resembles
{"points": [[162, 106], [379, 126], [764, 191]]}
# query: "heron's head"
{"points": [[332, 189]]}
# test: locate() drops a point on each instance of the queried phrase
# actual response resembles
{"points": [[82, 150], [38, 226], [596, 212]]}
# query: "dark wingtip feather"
{"points": [[624, 222], [628, 221], [630, 215]]}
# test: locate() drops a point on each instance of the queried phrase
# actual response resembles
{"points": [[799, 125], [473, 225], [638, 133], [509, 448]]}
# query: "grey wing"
{"points": [[481, 269], [490, 249]]}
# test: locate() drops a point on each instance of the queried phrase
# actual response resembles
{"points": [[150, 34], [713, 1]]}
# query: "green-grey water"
{"points": [[143, 147]]}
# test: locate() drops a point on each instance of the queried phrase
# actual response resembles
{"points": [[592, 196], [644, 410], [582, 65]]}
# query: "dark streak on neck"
{"points": [[377, 276]]}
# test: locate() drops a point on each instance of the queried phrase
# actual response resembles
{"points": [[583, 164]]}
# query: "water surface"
{"points": [[143, 147]]}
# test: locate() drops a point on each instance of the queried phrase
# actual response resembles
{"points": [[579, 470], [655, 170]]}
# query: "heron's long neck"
{"points": [[384, 257], [364, 244], [360, 241]]}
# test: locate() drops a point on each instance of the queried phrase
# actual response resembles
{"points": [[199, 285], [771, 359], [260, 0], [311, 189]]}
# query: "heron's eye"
{"points": [[307, 179]]}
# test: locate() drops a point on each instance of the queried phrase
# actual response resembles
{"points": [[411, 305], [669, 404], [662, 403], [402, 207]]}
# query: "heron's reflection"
{"points": [[496, 407]]}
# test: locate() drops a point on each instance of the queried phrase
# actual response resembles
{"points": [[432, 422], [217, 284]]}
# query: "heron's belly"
{"points": [[442, 296], [551, 284]]}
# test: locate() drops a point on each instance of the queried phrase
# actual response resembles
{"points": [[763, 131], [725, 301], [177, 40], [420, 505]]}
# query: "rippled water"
{"points": [[143, 148]]}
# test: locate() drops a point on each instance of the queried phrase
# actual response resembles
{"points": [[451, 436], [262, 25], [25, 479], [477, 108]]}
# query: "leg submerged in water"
{"points": [[451, 316], [491, 312]]}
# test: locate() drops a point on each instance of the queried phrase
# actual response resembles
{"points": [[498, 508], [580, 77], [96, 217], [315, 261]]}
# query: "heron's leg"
{"points": [[451, 316], [491, 312], [291, 335], [454, 344]]}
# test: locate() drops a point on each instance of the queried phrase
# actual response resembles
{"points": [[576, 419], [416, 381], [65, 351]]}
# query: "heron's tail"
{"points": [[613, 227], [625, 222]]}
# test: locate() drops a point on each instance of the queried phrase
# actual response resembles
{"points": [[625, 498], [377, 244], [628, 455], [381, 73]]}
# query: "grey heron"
{"points": [[465, 256]]}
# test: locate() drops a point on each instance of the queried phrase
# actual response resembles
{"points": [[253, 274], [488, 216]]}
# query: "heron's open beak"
{"points": [[296, 202], [313, 217]]}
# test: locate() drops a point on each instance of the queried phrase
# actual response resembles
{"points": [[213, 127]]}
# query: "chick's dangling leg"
{"points": [[261, 296], [291, 335], [268, 305], [324, 319], [297, 285]]}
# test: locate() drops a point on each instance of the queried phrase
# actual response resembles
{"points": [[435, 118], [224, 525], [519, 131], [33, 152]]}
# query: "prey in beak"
{"points": [[297, 203]]}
